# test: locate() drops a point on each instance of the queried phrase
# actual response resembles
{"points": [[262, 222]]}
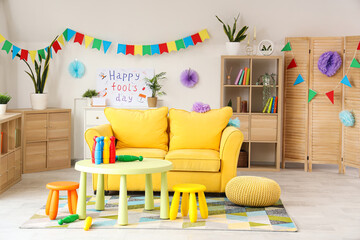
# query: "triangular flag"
{"points": [[24, 54], [69, 34], [355, 64], [330, 95], [79, 38], [97, 44], [7, 46], [106, 45], [65, 34], [312, 94], [292, 64], [88, 40], [56, 46], [32, 55], [286, 48], [346, 81], [46, 50], [299, 79], [61, 40], [358, 48], [1, 38], [203, 35], [15, 51]]}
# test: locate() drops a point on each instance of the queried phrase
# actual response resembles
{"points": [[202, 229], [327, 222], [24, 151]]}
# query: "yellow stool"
{"points": [[186, 189]]}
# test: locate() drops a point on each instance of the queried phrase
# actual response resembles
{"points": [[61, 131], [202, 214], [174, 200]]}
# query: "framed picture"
{"points": [[266, 47]]}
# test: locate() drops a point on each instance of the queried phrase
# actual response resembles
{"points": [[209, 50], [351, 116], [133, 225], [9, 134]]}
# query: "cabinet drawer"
{"points": [[263, 128], [35, 127], [95, 117], [35, 157], [244, 125], [59, 125], [58, 153]]}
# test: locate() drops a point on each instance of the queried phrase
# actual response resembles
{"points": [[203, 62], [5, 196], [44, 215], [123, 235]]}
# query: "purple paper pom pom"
{"points": [[329, 63], [189, 78], [201, 107]]}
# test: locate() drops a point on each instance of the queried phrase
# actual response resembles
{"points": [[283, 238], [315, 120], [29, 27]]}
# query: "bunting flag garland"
{"points": [[7, 46], [69, 34], [106, 45], [130, 49], [60, 39], [46, 50], [121, 48], [24, 54], [79, 38], [15, 51], [41, 53], [138, 50], [97, 44], [2, 38], [313, 93], [88, 40], [32, 55], [56, 46]]}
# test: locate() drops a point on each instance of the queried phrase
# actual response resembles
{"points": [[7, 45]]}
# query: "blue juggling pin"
{"points": [[98, 151]]}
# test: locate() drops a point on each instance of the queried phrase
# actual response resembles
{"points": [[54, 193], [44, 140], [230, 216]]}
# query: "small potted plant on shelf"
{"points": [[39, 76], [4, 99], [233, 46], [89, 94], [155, 87]]}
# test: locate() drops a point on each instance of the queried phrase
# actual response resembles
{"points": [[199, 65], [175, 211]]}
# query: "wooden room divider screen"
{"points": [[313, 133]]}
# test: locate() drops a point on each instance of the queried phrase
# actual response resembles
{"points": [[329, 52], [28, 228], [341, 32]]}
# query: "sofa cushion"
{"points": [[192, 130], [145, 152], [194, 160], [139, 128]]}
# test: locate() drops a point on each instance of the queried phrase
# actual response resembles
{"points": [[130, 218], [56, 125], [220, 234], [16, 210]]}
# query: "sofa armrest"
{"points": [[101, 130], [230, 144]]}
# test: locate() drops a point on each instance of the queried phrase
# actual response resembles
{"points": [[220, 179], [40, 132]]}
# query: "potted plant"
{"points": [[155, 87], [4, 99], [41, 70], [90, 93], [233, 46]]}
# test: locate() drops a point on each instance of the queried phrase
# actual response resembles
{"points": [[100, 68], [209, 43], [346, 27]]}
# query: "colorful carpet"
{"points": [[223, 215]]}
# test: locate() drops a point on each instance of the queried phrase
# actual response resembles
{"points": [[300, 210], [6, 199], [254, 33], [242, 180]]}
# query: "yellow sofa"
{"points": [[200, 146]]}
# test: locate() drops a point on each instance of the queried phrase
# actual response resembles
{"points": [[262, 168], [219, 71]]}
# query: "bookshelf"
{"points": [[262, 131]]}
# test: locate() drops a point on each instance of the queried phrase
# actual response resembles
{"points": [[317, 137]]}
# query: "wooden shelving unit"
{"points": [[10, 156], [262, 131]]}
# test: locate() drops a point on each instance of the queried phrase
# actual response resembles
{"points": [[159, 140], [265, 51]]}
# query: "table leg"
{"points": [[149, 194], [81, 206], [123, 205], [164, 204], [100, 198]]}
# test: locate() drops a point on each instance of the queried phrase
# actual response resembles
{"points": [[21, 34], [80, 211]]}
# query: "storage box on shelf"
{"points": [[261, 130], [10, 155], [46, 138]]}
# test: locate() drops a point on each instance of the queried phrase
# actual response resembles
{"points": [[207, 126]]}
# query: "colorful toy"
{"points": [[93, 150], [98, 151], [128, 158], [106, 149], [112, 150], [68, 219], [87, 224]]}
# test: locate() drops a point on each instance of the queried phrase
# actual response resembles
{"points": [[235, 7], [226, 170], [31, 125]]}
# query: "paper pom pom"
{"points": [[347, 118], [189, 78], [329, 63], [234, 122], [76, 69], [201, 107]]}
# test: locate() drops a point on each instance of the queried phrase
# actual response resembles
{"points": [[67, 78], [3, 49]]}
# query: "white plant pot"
{"points": [[2, 109], [232, 48], [39, 101]]}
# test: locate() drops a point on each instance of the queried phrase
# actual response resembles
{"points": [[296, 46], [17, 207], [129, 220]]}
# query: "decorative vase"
{"points": [[232, 48], [2, 109], [39, 101], [152, 101]]}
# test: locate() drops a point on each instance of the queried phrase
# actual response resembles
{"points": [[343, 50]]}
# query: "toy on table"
{"points": [[106, 150], [112, 150], [128, 158], [68, 219], [87, 224], [93, 150], [99, 150]]}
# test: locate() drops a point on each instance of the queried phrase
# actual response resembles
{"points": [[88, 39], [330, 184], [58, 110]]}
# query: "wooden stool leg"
{"points": [[203, 205], [174, 205], [192, 208], [70, 202], [47, 209], [185, 204], [54, 205], [74, 199]]}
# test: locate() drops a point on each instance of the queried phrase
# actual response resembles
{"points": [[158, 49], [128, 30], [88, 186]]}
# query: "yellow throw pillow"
{"points": [[139, 128], [192, 130]]}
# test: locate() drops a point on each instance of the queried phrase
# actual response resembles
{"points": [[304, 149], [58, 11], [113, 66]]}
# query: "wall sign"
{"points": [[124, 87]]}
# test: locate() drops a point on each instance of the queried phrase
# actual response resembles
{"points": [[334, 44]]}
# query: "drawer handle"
{"points": [[97, 117]]}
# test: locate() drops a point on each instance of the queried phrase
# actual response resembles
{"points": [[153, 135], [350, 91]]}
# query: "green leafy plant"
{"points": [[4, 98], [41, 71], [90, 93], [230, 32], [154, 84]]}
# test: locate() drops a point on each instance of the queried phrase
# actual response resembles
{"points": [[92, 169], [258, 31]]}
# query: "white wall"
{"points": [[33, 24]]}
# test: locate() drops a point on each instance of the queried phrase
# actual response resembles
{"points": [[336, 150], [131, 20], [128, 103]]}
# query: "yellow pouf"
{"points": [[253, 191]]}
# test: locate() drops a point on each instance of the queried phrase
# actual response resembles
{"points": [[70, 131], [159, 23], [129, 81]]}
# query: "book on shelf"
{"points": [[266, 105], [273, 105], [276, 102], [241, 77], [270, 104], [245, 74], [238, 77], [248, 77]]}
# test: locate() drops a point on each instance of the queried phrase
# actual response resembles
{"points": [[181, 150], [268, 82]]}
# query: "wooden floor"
{"points": [[323, 204]]}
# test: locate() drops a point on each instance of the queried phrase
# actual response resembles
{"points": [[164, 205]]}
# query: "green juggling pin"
{"points": [[128, 158], [68, 219]]}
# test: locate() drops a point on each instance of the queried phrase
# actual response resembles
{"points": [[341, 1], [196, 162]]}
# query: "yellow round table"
{"points": [[148, 166]]}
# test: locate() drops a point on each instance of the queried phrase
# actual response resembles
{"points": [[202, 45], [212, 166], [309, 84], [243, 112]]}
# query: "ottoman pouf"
{"points": [[253, 191]]}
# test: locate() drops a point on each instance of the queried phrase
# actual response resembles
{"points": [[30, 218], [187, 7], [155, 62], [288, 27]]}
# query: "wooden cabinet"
{"points": [[262, 138], [10, 155], [46, 139]]}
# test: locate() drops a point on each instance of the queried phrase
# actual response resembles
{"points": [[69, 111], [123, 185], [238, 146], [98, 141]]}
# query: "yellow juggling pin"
{"points": [[106, 150]]}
